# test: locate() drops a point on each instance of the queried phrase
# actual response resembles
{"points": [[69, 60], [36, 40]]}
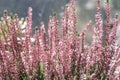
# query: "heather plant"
{"points": [[49, 55]]}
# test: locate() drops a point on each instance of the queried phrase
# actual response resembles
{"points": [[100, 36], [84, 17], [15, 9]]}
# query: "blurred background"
{"points": [[42, 9]]}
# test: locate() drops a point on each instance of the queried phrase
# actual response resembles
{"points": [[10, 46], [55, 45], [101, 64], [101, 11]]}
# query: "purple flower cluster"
{"points": [[59, 54]]}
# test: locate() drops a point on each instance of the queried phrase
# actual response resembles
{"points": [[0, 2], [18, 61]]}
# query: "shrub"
{"points": [[24, 56]]}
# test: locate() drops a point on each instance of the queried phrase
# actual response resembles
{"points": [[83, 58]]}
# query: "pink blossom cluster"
{"points": [[48, 55]]}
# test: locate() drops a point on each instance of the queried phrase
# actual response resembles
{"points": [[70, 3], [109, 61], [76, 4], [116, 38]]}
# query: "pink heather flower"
{"points": [[43, 36], [29, 20], [83, 34], [95, 50], [98, 29], [65, 57], [112, 35], [64, 27], [27, 54], [108, 9], [115, 63], [37, 44], [28, 30], [43, 43], [71, 18], [53, 35], [107, 26], [82, 39]]}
